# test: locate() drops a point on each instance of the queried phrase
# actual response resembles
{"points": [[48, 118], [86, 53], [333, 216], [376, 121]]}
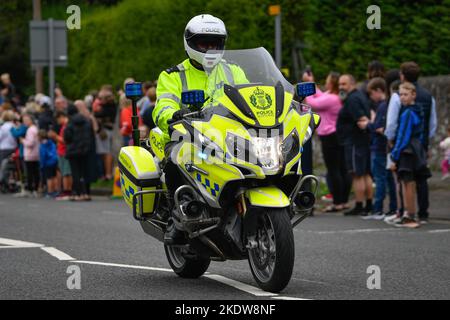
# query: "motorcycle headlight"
{"points": [[269, 153], [237, 146], [290, 147]]}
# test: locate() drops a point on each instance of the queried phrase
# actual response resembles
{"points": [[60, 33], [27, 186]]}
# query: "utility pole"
{"points": [[275, 10], [39, 74], [51, 66]]}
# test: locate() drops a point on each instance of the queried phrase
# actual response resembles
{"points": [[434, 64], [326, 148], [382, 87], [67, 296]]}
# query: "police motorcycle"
{"points": [[239, 151]]}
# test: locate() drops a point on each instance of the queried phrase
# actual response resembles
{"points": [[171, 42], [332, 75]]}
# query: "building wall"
{"points": [[439, 86]]}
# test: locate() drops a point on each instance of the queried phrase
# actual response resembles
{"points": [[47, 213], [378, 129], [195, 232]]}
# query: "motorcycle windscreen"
{"points": [[249, 84]]}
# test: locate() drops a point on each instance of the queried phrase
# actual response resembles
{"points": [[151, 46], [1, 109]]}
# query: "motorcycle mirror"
{"points": [[133, 91], [193, 97], [305, 89]]}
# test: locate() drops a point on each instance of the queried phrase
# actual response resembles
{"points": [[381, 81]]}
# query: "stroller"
{"points": [[11, 174]]}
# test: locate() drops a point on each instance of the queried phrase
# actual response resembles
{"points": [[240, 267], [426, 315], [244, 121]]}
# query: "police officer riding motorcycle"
{"points": [[220, 178], [203, 33]]}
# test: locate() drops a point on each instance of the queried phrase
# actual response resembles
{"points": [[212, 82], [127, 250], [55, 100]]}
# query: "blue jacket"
{"points": [[410, 126], [379, 141], [48, 155], [17, 133]]}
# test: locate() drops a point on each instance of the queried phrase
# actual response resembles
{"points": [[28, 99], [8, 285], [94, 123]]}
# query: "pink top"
{"points": [[31, 144], [327, 106], [445, 145]]}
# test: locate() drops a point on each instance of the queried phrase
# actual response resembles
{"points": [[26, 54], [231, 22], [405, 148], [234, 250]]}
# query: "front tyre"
{"points": [[272, 261], [183, 266]]}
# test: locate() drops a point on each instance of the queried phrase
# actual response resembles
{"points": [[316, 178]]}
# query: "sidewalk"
{"points": [[436, 182], [439, 197]]}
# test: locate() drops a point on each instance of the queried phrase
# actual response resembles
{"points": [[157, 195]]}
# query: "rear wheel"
{"points": [[183, 266], [272, 261]]}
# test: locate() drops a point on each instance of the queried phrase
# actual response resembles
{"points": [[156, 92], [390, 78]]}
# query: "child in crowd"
{"points": [[19, 131], [49, 162], [445, 145], [31, 155], [408, 154], [63, 163], [377, 91]]}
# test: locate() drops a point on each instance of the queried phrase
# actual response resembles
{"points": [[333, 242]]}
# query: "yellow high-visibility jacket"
{"points": [[183, 77]]}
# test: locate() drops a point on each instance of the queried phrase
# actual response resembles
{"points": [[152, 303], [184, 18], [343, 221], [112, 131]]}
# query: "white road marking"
{"points": [[353, 231], [123, 266], [242, 271], [310, 281], [57, 254], [240, 286], [233, 283], [13, 244], [18, 243], [439, 231], [288, 298], [18, 247]]}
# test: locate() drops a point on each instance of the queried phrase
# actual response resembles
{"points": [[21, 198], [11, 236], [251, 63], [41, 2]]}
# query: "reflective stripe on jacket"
{"points": [[184, 77]]}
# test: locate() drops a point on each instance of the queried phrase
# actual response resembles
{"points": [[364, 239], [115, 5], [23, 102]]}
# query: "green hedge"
{"points": [[139, 38], [410, 30]]}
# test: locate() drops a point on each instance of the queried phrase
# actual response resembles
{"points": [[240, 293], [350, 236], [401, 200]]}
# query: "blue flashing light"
{"points": [[133, 90], [193, 97], [306, 89]]}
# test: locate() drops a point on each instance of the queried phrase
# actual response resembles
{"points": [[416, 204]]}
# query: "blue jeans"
{"points": [[383, 178]]}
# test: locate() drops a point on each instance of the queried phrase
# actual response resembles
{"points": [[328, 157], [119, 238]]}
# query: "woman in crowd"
{"points": [[328, 104]]}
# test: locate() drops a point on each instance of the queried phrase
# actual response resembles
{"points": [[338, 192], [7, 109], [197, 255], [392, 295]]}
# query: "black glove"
{"points": [[178, 115]]}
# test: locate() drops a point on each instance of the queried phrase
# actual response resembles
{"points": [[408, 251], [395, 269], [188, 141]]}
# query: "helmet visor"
{"points": [[205, 43]]}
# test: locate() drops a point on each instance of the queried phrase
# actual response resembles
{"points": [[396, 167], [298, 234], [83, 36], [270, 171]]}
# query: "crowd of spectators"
{"points": [[377, 133], [57, 150]]}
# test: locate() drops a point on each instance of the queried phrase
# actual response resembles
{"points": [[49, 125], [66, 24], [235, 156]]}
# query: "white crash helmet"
{"points": [[205, 29]]}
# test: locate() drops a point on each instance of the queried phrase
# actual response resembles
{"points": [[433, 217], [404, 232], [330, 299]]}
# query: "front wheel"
{"points": [[183, 266], [272, 261]]}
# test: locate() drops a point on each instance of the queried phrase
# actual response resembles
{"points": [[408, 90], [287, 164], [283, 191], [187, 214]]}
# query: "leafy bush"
{"points": [[139, 38]]}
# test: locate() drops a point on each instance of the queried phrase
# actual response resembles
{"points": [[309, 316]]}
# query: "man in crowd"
{"points": [[354, 136]]}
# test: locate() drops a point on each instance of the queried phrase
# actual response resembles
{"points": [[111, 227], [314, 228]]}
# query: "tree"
{"points": [[14, 52]]}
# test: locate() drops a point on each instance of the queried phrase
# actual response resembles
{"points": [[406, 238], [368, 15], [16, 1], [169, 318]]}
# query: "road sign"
{"points": [[48, 42], [40, 34]]}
